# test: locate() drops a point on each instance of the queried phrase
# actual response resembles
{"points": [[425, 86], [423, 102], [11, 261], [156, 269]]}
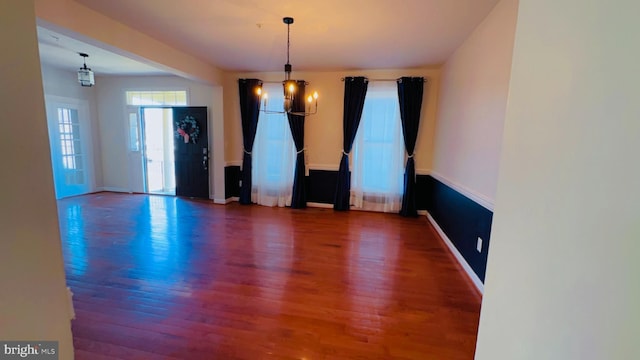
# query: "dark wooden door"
{"points": [[191, 148]]}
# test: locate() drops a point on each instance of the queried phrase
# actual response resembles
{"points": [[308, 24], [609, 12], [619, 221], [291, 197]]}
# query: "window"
{"points": [[70, 147], [158, 98], [134, 134], [378, 152], [273, 154], [149, 98]]}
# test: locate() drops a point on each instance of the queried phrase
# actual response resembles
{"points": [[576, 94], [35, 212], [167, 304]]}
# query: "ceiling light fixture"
{"points": [[290, 88], [85, 75]]}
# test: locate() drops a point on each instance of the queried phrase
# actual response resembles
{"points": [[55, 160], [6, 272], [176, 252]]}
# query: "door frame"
{"points": [[142, 140], [52, 103]]}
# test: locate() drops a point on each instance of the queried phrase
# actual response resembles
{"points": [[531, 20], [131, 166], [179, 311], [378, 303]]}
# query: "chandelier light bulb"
{"points": [[315, 95], [310, 99], [291, 88], [259, 91]]}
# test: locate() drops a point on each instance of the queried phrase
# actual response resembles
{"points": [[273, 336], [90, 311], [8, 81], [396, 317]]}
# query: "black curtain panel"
{"points": [[249, 111], [296, 123], [355, 90], [410, 90]]}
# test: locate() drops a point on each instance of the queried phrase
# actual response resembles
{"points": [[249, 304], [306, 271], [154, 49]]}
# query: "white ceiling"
{"points": [[61, 51], [248, 35]]}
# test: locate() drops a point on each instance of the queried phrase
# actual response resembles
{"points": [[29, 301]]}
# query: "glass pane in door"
{"points": [[70, 146]]}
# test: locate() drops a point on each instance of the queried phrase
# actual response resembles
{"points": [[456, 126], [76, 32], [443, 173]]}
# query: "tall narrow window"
{"points": [[378, 152], [70, 146], [134, 134], [273, 154]]}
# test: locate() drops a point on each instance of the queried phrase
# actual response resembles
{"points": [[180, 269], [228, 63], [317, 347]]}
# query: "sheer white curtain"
{"points": [[378, 152], [273, 154]]}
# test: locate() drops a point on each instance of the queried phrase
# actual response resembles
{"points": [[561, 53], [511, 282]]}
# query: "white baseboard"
{"points": [[465, 265], [320, 205], [309, 204], [114, 189], [226, 201]]}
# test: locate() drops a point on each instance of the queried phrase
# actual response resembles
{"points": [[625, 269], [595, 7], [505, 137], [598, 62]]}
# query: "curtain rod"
{"points": [[368, 79], [342, 79], [280, 82]]}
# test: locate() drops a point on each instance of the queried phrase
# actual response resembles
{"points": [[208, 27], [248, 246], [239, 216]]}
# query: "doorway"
{"points": [[175, 150], [192, 151], [158, 150], [70, 144]]}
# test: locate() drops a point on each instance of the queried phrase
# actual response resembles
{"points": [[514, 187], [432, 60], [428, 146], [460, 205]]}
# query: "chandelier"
{"points": [[85, 75], [290, 88]]}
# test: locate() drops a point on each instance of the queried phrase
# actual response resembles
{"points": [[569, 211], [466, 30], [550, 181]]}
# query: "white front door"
{"points": [[70, 141]]}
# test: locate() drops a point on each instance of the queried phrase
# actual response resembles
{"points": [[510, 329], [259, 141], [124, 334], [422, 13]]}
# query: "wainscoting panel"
{"points": [[322, 186], [424, 189], [231, 181], [462, 220]]}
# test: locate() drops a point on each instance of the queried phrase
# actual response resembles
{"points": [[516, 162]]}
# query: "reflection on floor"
{"points": [[158, 277]]}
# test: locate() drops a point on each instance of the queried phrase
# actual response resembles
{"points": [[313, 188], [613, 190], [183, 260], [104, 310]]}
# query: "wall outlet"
{"points": [[479, 245]]}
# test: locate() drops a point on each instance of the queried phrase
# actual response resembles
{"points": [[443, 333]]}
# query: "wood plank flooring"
{"points": [[158, 277]]}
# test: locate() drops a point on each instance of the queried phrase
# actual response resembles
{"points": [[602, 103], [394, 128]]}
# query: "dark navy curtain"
{"points": [[355, 90], [410, 90], [296, 123], [249, 111]]}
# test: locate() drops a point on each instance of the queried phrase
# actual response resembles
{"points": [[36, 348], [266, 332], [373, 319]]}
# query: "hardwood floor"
{"points": [[158, 277]]}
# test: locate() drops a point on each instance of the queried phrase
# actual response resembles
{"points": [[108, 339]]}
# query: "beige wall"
{"points": [[323, 131], [33, 298], [562, 276], [472, 105]]}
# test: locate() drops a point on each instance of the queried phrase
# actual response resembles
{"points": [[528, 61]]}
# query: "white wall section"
{"points": [[562, 277], [63, 83], [113, 119], [472, 104]]}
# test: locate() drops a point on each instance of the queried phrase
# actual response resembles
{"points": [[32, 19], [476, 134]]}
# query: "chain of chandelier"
{"points": [[290, 88]]}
